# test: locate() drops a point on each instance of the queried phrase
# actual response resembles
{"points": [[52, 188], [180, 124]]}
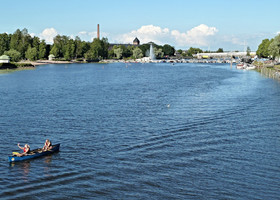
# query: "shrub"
{"points": [[13, 54]]}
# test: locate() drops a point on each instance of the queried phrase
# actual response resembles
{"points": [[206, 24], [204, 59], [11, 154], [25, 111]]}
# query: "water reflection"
{"points": [[23, 168], [47, 161]]}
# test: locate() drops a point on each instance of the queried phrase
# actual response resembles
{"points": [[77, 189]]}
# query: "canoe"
{"points": [[36, 153]]}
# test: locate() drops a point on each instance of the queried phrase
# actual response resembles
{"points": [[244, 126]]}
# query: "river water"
{"points": [[141, 131]]}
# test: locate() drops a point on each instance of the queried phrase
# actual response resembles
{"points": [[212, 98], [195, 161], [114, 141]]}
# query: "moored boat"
{"points": [[36, 153], [250, 67]]}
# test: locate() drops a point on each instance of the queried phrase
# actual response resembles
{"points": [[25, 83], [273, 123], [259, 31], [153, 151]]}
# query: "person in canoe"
{"points": [[26, 150], [47, 146]]}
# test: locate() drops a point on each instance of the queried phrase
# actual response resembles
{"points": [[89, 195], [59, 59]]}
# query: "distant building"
{"points": [[51, 57], [4, 59], [136, 41]]}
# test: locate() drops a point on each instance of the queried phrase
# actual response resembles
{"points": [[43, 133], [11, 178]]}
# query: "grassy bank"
{"points": [[12, 67], [270, 71], [7, 66]]}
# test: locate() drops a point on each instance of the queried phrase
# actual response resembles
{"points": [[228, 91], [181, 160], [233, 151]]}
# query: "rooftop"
{"points": [[4, 57]]}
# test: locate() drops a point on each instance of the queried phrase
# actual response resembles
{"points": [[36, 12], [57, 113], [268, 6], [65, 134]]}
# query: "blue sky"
{"points": [[182, 23]]}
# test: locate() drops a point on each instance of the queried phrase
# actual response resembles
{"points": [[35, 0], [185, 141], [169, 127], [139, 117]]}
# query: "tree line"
{"points": [[269, 48], [21, 45]]}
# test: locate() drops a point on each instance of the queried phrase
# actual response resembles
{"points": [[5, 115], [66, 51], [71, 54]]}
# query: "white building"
{"points": [[51, 57], [4, 59]]}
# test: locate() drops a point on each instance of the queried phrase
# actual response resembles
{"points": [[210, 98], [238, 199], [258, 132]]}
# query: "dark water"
{"points": [[145, 131]]}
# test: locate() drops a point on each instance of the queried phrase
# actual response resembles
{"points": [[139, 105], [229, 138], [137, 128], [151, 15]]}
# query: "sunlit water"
{"points": [[141, 131]]}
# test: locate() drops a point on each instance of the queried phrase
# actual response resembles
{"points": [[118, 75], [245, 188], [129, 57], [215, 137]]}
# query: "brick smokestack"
{"points": [[98, 33]]}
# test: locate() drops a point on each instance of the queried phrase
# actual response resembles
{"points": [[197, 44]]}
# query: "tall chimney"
{"points": [[98, 33]]}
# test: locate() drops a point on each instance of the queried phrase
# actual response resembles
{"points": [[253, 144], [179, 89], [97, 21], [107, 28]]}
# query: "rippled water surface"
{"points": [[141, 131]]}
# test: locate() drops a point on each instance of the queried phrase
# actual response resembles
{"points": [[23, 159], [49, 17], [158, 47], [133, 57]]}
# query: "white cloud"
{"points": [[48, 34], [145, 34], [89, 36], [234, 39], [82, 33], [32, 34], [197, 36], [238, 41]]}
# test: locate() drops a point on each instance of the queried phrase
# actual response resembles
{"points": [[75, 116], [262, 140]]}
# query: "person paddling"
{"points": [[26, 150], [47, 146]]}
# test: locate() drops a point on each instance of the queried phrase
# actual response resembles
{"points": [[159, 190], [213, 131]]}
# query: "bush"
{"points": [[13, 54], [31, 54]]}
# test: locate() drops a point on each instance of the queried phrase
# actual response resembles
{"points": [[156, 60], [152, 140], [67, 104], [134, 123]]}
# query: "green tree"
{"points": [[180, 51], [90, 56], [13, 54], [193, 51], [145, 49], [4, 43], [60, 43], [16, 40], [137, 53], [31, 53], [128, 51], [220, 50], [78, 47], [105, 46], [42, 50], [26, 41], [55, 51], [111, 53], [263, 51], [118, 52], [274, 47], [20, 41], [69, 50], [36, 42], [96, 48], [158, 52], [100, 47], [85, 47], [184, 54], [168, 50]]}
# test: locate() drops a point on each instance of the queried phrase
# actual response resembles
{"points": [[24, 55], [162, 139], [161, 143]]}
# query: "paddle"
{"points": [[15, 153]]}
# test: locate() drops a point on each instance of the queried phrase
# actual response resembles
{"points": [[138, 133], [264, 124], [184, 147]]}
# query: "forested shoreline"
{"points": [[269, 48], [22, 46]]}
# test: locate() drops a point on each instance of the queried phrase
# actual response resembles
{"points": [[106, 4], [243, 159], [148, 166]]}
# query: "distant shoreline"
{"points": [[46, 62]]}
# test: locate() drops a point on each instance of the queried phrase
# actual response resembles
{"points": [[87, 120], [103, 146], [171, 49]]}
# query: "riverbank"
{"points": [[268, 69], [46, 62], [27, 65], [12, 67]]}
